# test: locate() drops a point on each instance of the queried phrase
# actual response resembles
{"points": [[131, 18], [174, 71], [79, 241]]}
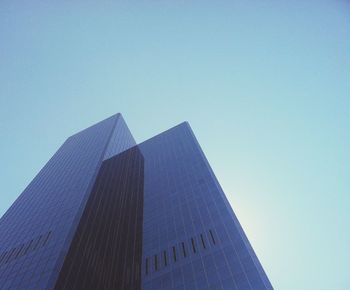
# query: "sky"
{"points": [[265, 85]]}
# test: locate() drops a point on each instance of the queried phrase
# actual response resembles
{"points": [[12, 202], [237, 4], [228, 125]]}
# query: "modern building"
{"points": [[106, 213]]}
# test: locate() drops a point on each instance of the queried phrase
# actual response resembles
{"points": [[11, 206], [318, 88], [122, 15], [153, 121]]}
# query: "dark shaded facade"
{"points": [[108, 239], [105, 213]]}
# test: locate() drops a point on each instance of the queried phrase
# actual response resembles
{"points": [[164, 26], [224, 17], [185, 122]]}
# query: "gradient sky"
{"points": [[265, 86]]}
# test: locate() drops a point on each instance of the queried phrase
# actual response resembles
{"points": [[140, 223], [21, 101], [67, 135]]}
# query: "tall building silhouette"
{"points": [[106, 213]]}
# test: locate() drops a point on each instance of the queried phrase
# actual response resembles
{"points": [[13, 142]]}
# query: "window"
{"points": [[183, 249], [155, 262], [198, 243], [203, 243], [212, 236], [165, 259], [193, 245], [174, 253], [146, 266]]}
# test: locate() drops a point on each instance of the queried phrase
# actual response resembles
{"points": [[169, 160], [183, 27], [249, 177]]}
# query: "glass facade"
{"points": [[52, 203], [105, 213], [191, 237]]}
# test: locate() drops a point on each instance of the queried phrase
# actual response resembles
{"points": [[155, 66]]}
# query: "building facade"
{"points": [[106, 213]]}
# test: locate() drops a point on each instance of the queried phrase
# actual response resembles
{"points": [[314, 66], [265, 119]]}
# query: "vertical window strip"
{"points": [[20, 252], [27, 248], [127, 274], [155, 263], [132, 271], [174, 253], [20, 249], [37, 243], [9, 256], [193, 245], [212, 236], [12, 255], [165, 259], [2, 256], [203, 243], [146, 266], [136, 272], [183, 249], [47, 238]]}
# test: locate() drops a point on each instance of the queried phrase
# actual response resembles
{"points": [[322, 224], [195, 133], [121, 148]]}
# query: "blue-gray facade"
{"points": [[191, 237], [105, 213]]}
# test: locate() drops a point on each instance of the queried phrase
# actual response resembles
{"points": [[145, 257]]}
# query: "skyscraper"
{"points": [[105, 213]]}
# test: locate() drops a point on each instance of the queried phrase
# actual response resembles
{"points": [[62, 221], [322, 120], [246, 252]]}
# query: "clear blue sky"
{"points": [[265, 86]]}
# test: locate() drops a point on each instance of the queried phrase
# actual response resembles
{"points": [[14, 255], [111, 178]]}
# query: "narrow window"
{"points": [[212, 236], [10, 255], [184, 249], [2, 257], [37, 243], [165, 259], [202, 239], [193, 245], [136, 271], [146, 266], [174, 253], [27, 248], [155, 263], [127, 273], [47, 238], [19, 251]]}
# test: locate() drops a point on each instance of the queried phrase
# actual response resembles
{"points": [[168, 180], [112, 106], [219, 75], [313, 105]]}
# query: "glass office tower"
{"points": [[105, 213]]}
